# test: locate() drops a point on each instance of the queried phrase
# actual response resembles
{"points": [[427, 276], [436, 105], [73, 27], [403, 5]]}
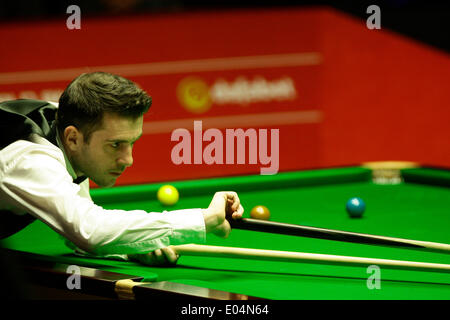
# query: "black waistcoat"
{"points": [[19, 119]]}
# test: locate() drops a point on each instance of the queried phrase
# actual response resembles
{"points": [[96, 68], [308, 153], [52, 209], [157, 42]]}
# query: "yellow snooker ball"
{"points": [[167, 195]]}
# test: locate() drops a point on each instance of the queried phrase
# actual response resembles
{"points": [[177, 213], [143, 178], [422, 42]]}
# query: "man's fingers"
{"points": [[235, 203], [232, 200], [165, 256], [225, 204], [236, 208], [171, 255], [160, 258], [238, 213], [219, 200]]}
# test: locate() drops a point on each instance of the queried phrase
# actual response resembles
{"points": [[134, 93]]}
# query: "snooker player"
{"points": [[48, 151]]}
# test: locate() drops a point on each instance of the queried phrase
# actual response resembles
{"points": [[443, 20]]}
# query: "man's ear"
{"points": [[73, 138]]}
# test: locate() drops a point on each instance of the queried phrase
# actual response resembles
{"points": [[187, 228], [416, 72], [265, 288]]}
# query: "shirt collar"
{"points": [[69, 167]]}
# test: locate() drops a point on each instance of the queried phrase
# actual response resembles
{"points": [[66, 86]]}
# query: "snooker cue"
{"points": [[330, 234], [289, 256]]}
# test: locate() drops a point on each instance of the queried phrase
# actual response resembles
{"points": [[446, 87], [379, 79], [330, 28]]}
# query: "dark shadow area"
{"points": [[425, 21]]}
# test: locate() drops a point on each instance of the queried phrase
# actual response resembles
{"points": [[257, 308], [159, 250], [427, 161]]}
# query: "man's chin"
{"points": [[105, 183]]}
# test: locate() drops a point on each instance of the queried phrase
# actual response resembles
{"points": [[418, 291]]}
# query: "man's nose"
{"points": [[126, 158]]}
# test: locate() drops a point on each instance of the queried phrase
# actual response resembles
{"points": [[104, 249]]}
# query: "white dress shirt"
{"points": [[37, 178]]}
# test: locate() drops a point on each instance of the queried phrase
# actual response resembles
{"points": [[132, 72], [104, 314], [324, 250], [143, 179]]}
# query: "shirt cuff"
{"points": [[188, 226], [180, 227]]}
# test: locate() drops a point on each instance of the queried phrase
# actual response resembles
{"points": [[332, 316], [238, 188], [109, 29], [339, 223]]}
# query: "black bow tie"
{"points": [[79, 179]]}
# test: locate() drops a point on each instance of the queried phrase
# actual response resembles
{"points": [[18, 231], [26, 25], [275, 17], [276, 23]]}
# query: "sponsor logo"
{"points": [[196, 96]]}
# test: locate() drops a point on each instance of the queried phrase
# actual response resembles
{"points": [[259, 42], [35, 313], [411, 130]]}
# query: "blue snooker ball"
{"points": [[355, 207]]}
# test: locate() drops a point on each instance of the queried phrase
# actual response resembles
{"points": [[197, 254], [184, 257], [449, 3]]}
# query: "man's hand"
{"points": [[224, 204], [160, 257]]}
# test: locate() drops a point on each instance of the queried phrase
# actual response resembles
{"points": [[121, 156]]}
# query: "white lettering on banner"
{"points": [[46, 95], [28, 95], [5, 96], [243, 91], [213, 153], [51, 94]]}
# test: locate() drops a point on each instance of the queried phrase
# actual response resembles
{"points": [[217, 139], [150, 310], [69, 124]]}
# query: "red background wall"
{"points": [[375, 95], [384, 96]]}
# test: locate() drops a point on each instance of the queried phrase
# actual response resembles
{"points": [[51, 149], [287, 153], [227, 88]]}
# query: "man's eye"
{"points": [[115, 145]]}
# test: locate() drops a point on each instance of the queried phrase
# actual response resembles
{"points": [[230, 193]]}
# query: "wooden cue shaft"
{"points": [[330, 234], [288, 256]]}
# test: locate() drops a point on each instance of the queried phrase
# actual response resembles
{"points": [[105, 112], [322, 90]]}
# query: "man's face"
{"points": [[109, 151]]}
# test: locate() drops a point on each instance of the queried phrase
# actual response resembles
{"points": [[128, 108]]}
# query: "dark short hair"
{"points": [[90, 95]]}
